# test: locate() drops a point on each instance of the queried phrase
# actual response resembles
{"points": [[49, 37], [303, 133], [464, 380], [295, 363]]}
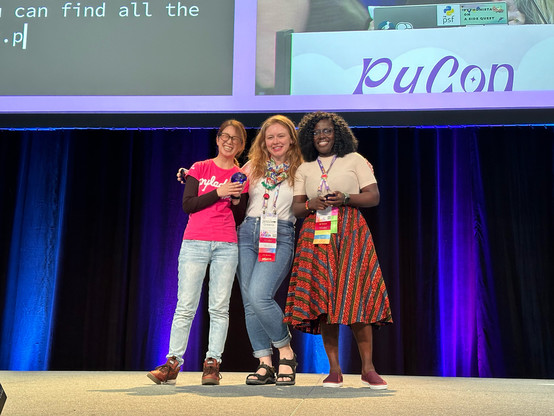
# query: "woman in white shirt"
{"points": [[266, 247]]}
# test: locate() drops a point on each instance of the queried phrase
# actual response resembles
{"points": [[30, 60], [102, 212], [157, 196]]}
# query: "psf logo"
{"points": [[448, 15]]}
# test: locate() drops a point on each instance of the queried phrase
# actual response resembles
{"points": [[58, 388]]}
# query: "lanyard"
{"points": [[267, 246], [326, 221], [266, 197], [323, 184]]}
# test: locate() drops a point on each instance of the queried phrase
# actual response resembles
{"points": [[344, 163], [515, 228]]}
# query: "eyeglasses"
{"points": [[225, 138], [325, 132]]}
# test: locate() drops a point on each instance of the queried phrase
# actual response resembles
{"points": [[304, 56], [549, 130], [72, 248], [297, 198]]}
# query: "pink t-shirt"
{"points": [[215, 222]]}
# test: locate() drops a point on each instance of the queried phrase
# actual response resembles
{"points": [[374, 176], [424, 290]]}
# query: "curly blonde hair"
{"points": [[259, 154]]}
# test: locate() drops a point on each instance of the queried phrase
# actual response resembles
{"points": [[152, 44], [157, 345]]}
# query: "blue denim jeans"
{"points": [[259, 281], [194, 257]]}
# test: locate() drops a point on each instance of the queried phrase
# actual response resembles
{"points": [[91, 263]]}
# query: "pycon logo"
{"points": [[446, 75]]}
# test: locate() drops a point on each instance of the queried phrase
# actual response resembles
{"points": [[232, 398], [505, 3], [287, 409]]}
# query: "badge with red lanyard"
{"points": [[274, 177], [326, 221]]}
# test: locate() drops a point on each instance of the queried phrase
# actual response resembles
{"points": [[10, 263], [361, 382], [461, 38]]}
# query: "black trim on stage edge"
{"points": [[3, 398], [355, 119]]}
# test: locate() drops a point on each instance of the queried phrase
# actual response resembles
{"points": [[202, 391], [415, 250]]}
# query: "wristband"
{"points": [[235, 197], [346, 198], [307, 207]]}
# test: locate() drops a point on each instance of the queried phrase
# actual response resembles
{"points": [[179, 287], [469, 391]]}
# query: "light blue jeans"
{"points": [[194, 257], [259, 281]]}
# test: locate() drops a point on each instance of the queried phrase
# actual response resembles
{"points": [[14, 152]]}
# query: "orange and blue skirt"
{"points": [[340, 281]]}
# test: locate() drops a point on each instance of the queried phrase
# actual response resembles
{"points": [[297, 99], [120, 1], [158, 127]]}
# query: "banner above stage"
{"points": [[438, 60]]}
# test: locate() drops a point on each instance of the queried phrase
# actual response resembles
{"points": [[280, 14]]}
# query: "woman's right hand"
{"points": [[230, 189], [181, 174], [318, 203]]}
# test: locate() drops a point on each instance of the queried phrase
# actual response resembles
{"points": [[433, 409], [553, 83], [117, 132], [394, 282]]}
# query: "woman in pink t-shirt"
{"points": [[210, 238]]}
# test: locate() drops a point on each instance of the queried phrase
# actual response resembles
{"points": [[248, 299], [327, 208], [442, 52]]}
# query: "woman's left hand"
{"points": [[335, 199]]}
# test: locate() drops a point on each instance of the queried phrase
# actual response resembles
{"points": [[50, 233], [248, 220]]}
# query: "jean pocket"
{"points": [[286, 234]]}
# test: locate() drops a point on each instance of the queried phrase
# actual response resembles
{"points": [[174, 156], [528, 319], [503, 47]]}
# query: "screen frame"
{"points": [[496, 117], [244, 44]]}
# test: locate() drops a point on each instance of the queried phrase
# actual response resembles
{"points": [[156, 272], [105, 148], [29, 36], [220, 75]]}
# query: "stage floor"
{"points": [[132, 393]]}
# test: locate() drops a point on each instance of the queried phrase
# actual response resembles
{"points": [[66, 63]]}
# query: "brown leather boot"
{"points": [[210, 375], [166, 373]]}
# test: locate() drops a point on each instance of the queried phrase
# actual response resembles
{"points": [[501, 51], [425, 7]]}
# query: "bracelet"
{"points": [[346, 198], [307, 206], [235, 197]]}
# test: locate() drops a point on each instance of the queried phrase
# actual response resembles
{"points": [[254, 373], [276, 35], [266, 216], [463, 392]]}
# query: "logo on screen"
{"points": [[447, 75], [448, 15]]}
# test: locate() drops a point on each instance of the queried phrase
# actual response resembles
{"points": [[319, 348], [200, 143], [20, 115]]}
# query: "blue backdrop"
{"points": [[91, 224]]}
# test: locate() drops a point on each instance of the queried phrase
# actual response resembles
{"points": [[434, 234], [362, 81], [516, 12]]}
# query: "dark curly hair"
{"points": [[345, 142]]}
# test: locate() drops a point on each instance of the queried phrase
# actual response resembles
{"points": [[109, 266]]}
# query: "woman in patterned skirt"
{"points": [[336, 278]]}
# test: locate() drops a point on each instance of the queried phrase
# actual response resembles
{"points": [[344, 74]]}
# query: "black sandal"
{"points": [[267, 378], [291, 377]]}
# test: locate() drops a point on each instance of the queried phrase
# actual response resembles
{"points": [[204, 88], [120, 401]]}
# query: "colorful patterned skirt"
{"points": [[341, 280]]}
